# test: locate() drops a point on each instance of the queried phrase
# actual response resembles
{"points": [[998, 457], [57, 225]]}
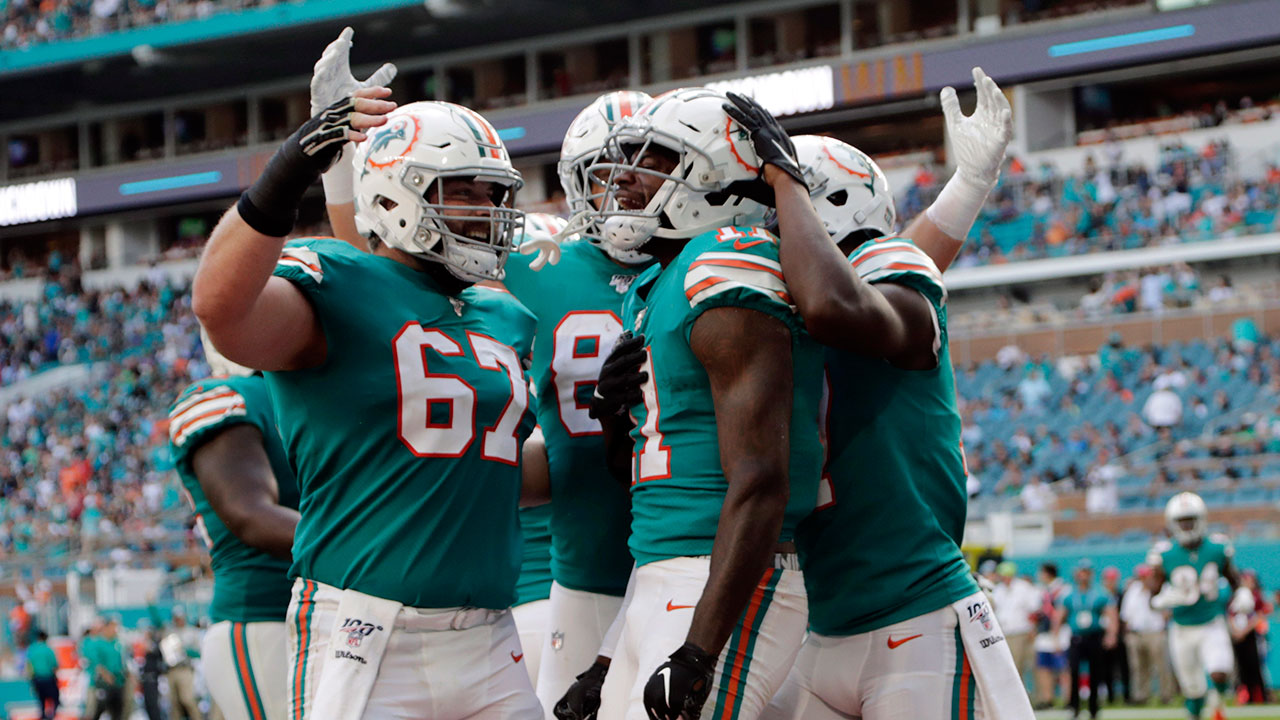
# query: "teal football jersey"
{"points": [[884, 544], [406, 440], [1195, 573], [678, 485], [535, 564], [578, 304], [248, 585]]}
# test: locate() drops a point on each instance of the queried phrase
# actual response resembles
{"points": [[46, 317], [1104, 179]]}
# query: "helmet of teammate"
{"points": [[848, 189], [219, 366], [400, 172], [582, 145], [540, 226], [716, 169], [1186, 517]]}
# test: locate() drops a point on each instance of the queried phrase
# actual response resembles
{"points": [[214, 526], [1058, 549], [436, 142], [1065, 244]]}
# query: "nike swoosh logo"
{"points": [[671, 607], [666, 684], [895, 643], [515, 657], [739, 245]]}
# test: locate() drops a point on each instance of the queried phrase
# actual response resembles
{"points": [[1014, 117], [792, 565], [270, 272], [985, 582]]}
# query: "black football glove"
{"points": [[270, 205], [620, 378], [582, 700], [681, 685], [772, 144]]}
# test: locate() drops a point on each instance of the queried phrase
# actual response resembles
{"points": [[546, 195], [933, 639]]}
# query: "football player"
{"points": [[724, 452], [1187, 579], [578, 304], [899, 628], [406, 404], [222, 432], [533, 587]]}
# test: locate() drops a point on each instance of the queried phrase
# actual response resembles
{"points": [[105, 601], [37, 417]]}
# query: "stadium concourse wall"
{"points": [[1085, 337]]}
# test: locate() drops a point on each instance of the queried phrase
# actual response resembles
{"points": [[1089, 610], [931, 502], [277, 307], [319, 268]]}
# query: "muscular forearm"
{"points": [[746, 537], [838, 308], [939, 246], [268, 528]]}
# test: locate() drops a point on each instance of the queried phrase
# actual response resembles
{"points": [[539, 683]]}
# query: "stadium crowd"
{"points": [[32, 22], [1191, 195]]}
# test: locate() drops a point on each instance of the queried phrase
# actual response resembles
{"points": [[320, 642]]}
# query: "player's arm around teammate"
{"points": [[840, 310], [255, 319], [235, 474]]}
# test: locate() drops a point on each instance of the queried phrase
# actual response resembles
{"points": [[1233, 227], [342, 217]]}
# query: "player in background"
{"points": [[725, 441], [577, 300], [899, 627], [1187, 579], [406, 407], [532, 607], [222, 432]]}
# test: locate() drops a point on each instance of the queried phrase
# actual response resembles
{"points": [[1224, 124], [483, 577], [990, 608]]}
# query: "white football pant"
{"points": [[439, 664], [531, 622], [577, 626], [916, 669], [752, 665], [244, 669], [1198, 650]]}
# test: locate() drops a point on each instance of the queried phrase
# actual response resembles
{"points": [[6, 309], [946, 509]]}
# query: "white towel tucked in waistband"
{"points": [[1001, 694], [357, 642]]}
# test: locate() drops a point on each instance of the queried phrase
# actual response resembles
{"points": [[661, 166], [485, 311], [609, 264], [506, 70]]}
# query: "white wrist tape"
{"points": [[958, 205], [339, 180]]}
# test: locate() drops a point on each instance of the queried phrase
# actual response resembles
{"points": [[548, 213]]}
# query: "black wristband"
{"points": [[270, 205]]}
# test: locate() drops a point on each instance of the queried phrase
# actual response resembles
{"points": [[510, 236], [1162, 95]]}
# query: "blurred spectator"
{"points": [[1145, 640], [1101, 493], [1016, 602], [1051, 639], [1034, 390], [1037, 496], [1246, 615], [1090, 612], [1163, 409], [28, 22], [1116, 656], [1222, 291], [42, 666]]}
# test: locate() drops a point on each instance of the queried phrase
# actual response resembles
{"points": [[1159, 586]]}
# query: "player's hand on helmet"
{"points": [[620, 378], [772, 144], [978, 141], [322, 137], [680, 686], [582, 700], [332, 80]]}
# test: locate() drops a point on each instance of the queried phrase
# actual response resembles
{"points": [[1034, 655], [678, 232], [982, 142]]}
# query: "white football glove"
{"points": [[547, 248], [332, 81], [978, 143], [979, 140]]}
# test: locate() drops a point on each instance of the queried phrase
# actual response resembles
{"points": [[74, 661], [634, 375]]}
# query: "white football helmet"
{"points": [[1187, 518], [220, 366], [716, 164], [582, 144], [402, 166], [848, 189]]}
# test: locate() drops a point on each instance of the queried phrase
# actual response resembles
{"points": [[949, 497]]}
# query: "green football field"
{"points": [[1250, 712]]}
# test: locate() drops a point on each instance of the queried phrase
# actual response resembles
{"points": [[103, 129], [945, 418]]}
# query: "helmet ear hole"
{"points": [[386, 203], [839, 197]]}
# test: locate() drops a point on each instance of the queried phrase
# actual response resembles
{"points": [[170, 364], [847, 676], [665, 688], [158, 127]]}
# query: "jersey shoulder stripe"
{"points": [[302, 259], [203, 409], [894, 259], [713, 273]]}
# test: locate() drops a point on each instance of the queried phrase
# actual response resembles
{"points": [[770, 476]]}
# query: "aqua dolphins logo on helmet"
{"points": [[384, 138]]}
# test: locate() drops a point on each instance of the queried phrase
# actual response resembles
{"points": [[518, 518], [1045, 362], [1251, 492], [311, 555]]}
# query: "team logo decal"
{"points": [[393, 142], [980, 612], [557, 640], [357, 630], [622, 283]]}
